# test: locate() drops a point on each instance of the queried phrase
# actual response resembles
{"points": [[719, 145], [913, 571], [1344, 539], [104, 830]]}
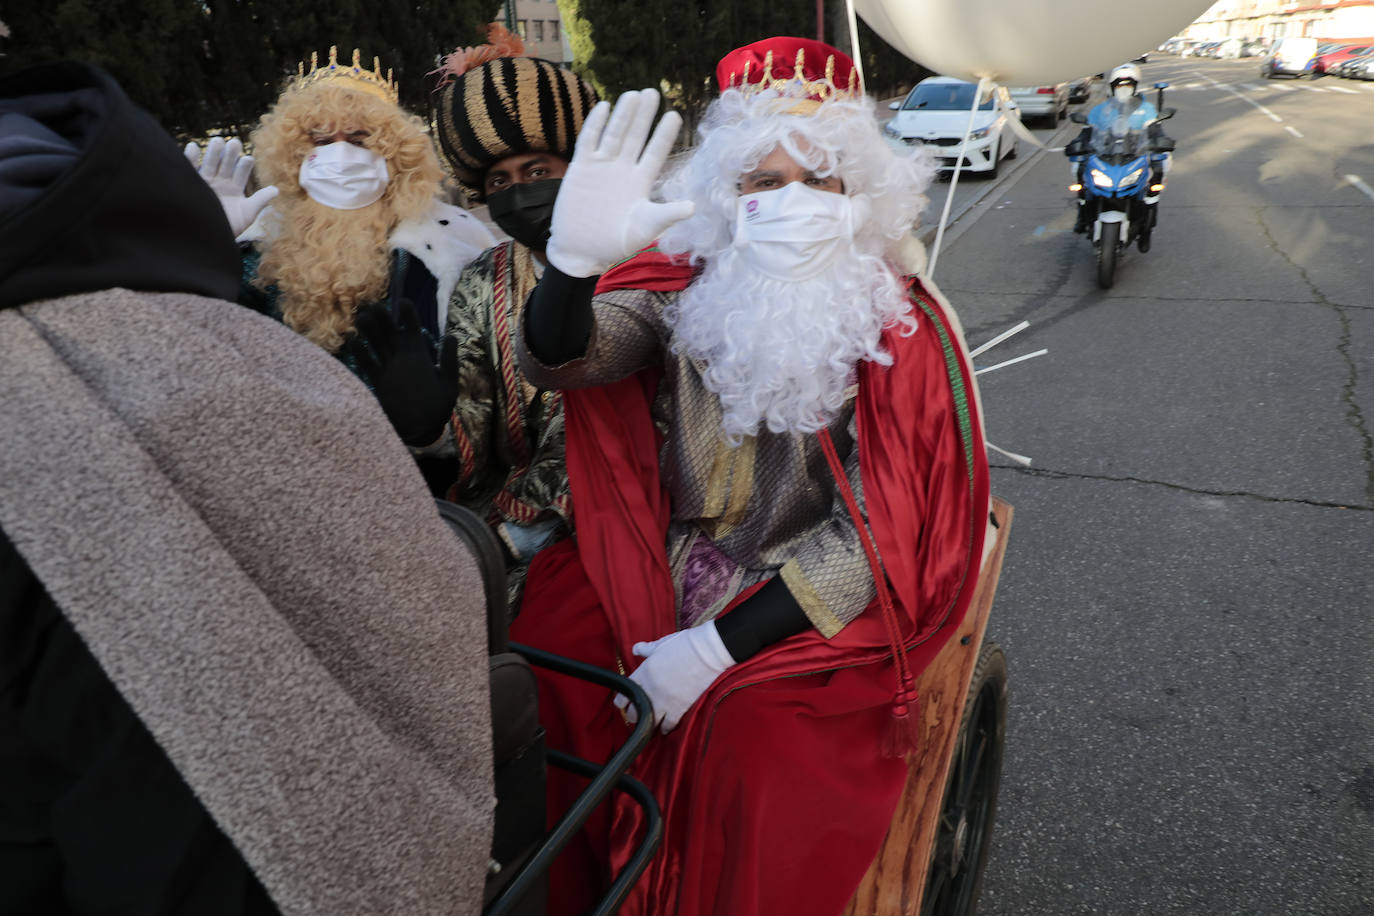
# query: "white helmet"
{"points": [[1124, 72]]}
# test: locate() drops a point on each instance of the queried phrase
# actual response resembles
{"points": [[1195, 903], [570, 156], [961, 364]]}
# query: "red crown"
{"points": [[800, 68]]}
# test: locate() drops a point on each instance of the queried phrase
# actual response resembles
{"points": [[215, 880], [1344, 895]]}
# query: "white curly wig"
{"points": [[780, 353], [841, 137]]}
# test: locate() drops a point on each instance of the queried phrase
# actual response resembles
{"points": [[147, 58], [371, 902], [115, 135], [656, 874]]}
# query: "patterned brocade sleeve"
{"points": [[469, 322], [829, 575], [627, 336]]}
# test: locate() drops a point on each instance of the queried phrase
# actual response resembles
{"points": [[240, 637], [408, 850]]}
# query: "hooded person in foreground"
{"points": [[242, 660], [777, 425]]}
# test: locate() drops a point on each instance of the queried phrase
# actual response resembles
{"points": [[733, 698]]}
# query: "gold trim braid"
{"points": [[819, 613]]}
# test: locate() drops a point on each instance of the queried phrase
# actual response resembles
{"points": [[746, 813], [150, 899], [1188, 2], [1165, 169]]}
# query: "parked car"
{"points": [[1081, 89], [1255, 47], [1048, 103], [936, 112], [1360, 68], [1229, 49], [1347, 67], [1290, 56], [1325, 63]]}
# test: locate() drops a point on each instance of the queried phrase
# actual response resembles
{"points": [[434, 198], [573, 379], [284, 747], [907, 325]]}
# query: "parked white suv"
{"points": [[1291, 56]]}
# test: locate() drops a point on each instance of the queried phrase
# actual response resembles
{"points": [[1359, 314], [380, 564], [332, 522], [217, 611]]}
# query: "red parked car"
{"points": [[1328, 61]]}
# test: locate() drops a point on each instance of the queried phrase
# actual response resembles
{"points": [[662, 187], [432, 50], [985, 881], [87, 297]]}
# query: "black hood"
{"points": [[95, 194]]}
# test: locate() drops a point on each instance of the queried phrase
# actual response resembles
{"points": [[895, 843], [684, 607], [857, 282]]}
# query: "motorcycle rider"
{"points": [[1125, 101], [1124, 97]]}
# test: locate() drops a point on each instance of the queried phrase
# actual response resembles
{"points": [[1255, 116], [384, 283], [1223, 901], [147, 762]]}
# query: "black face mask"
{"points": [[525, 211]]}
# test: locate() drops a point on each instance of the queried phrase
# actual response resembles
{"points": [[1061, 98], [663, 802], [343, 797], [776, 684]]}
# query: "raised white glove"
{"points": [[603, 213], [226, 169], [677, 669]]}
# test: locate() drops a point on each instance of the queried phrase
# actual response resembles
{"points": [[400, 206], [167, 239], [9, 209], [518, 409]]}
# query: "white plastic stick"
{"points": [[1017, 359], [999, 338], [854, 43], [983, 82], [1019, 459]]}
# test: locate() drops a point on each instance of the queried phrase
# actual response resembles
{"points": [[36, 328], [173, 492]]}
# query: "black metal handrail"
{"points": [[606, 777], [653, 830]]}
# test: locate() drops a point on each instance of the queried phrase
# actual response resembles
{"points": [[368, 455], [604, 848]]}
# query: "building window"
{"points": [[522, 27], [538, 30], [553, 30]]}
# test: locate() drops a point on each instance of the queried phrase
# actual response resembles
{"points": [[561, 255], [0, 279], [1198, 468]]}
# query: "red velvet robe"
{"points": [[775, 793]]}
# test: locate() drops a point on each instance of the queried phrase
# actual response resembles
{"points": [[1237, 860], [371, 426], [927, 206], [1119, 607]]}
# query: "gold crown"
{"points": [[812, 92], [362, 80]]}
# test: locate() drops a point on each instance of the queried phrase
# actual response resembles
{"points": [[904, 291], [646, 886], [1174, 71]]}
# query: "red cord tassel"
{"points": [[903, 729], [903, 732]]}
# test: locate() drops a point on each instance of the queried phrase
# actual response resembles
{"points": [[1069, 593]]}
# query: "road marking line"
{"points": [[1250, 87], [1273, 117], [1310, 88], [1293, 130], [1359, 183], [1342, 89], [1279, 86]]}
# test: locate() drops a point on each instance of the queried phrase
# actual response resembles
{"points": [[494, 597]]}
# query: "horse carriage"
{"points": [[932, 858]]}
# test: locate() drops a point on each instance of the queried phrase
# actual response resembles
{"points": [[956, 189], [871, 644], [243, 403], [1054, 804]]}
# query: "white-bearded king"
{"points": [[781, 426]]}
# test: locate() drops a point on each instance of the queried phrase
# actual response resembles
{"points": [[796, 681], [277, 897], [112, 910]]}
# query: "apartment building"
{"points": [[540, 25], [1334, 19]]}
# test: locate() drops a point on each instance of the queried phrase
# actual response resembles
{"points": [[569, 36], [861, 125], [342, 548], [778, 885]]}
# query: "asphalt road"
{"points": [[1186, 602]]}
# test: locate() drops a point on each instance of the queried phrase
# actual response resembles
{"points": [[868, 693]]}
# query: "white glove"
{"points": [[226, 169], [603, 213], [677, 670]]}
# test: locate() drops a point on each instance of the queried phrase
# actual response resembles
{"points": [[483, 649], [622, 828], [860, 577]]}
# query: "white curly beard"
{"points": [[781, 353]]}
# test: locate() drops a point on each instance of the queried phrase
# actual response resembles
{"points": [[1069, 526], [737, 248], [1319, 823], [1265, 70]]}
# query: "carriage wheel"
{"points": [[964, 833]]}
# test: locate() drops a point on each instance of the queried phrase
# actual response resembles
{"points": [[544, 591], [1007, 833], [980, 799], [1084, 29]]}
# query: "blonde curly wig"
{"points": [[324, 262]]}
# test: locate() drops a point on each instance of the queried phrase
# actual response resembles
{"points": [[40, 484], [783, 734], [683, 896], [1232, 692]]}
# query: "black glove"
{"points": [[559, 317], [769, 615], [394, 355]]}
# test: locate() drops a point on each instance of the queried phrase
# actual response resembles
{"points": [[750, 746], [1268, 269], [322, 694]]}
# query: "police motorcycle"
{"points": [[1119, 169]]}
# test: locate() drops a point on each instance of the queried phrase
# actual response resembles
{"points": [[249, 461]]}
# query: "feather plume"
{"points": [[501, 42]]}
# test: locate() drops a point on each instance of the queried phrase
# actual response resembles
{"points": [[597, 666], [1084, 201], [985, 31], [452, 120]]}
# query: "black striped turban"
{"points": [[508, 106]]}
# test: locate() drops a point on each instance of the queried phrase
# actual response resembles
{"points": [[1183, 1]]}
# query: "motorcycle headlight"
{"points": [[980, 133], [1102, 179], [1131, 178]]}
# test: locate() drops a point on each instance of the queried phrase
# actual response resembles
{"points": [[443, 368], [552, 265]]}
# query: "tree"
{"points": [[199, 65], [620, 45]]}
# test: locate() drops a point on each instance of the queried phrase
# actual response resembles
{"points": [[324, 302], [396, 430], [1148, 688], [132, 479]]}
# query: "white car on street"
{"points": [[936, 113]]}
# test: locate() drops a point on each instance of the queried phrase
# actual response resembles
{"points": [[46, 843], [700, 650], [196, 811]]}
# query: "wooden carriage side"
{"points": [[897, 880]]}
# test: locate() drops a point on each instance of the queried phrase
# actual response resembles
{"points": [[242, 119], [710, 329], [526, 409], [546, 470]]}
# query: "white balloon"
{"points": [[1026, 42]]}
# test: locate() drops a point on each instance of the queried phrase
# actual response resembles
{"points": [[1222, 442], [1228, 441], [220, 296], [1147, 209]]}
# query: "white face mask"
{"points": [[793, 233], [344, 176], [1123, 92]]}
